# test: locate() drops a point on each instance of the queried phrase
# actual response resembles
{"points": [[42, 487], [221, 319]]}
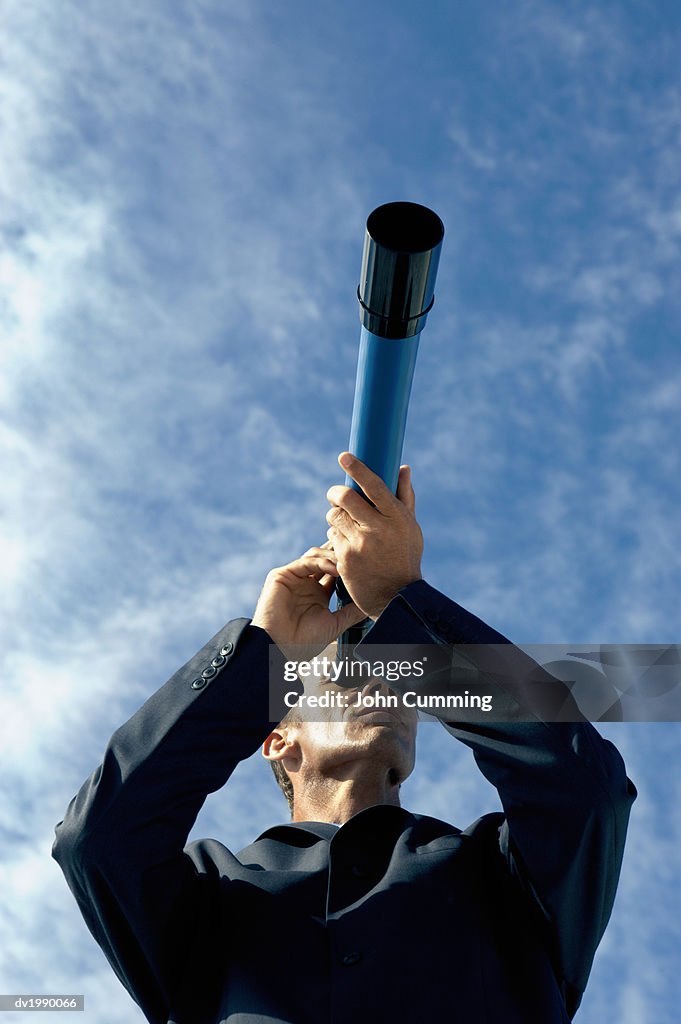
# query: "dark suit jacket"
{"points": [[393, 917]]}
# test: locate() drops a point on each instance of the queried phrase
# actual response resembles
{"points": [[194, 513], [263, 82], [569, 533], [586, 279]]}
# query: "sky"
{"points": [[183, 193]]}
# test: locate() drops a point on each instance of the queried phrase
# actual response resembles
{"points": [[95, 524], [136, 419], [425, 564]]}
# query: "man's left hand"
{"points": [[293, 606]]}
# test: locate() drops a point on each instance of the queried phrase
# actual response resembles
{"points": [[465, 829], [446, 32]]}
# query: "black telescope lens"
{"points": [[405, 227], [401, 252]]}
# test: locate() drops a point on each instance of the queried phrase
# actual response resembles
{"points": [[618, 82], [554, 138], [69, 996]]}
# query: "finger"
{"points": [[325, 551], [353, 503], [372, 485], [337, 538], [341, 521], [405, 491], [332, 574], [312, 565]]}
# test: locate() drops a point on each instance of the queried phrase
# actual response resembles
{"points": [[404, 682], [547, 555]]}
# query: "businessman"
{"points": [[357, 910]]}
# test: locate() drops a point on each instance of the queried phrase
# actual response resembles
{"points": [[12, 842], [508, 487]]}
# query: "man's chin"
{"points": [[378, 717], [382, 716]]}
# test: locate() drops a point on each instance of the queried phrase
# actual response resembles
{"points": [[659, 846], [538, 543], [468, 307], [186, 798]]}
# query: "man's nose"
{"points": [[376, 686]]}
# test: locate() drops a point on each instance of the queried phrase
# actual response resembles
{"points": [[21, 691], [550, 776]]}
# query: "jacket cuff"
{"points": [[421, 614]]}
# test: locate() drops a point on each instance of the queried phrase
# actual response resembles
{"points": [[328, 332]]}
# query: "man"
{"points": [[357, 910]]}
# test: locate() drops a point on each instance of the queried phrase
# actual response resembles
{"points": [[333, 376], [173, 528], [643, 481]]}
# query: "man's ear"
{"points": [[279, 744]]}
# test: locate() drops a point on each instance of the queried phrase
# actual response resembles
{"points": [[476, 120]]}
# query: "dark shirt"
{"points": [[393, 916]]}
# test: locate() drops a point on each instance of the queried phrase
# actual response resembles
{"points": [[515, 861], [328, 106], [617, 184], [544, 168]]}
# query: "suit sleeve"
{"points": [[563, 787], [121, 843]]}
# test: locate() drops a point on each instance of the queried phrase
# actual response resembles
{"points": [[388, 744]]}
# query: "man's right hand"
{"points": [[293, 606], [378, 543]]}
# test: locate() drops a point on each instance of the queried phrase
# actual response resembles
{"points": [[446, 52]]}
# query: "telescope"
{"points": [[396, 292]]}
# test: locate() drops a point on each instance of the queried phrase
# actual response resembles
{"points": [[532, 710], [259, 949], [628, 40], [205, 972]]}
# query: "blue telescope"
{"points": [[396, 292]]}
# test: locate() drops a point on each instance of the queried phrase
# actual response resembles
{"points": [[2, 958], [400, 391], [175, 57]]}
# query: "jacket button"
{"points": [[209, 672], [198, 684], [227, 649], [350, 959], [219, 661]]}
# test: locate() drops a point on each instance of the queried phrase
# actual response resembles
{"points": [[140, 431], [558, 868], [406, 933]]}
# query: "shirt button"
{"points": [[358, 871], [350, 959], [227, 649], [198, 684]]}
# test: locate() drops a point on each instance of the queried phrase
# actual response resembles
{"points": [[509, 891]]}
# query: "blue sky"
{"points": [[183, 195]]}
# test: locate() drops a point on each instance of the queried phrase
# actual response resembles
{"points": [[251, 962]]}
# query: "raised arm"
{"points": [[147, 901], [121, 842], [563, 787], [564, 790]]}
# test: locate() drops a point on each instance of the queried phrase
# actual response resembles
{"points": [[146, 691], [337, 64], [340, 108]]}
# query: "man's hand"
{"points": [[378, 547], [293, 606]]}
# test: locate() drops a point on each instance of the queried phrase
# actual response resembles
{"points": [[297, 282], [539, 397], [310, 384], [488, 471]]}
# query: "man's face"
{"points": [[353, 727]]}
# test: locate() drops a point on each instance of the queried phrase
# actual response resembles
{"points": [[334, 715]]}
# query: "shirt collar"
{"points": [[321, 829], [384, 813]]}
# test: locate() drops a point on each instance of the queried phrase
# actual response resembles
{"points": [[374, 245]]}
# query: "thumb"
{"points": [[348, 615]]}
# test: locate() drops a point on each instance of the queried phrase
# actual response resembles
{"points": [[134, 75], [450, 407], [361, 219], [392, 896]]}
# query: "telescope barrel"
{"points": [[402, 247], [385, 371], [396, 292]]}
